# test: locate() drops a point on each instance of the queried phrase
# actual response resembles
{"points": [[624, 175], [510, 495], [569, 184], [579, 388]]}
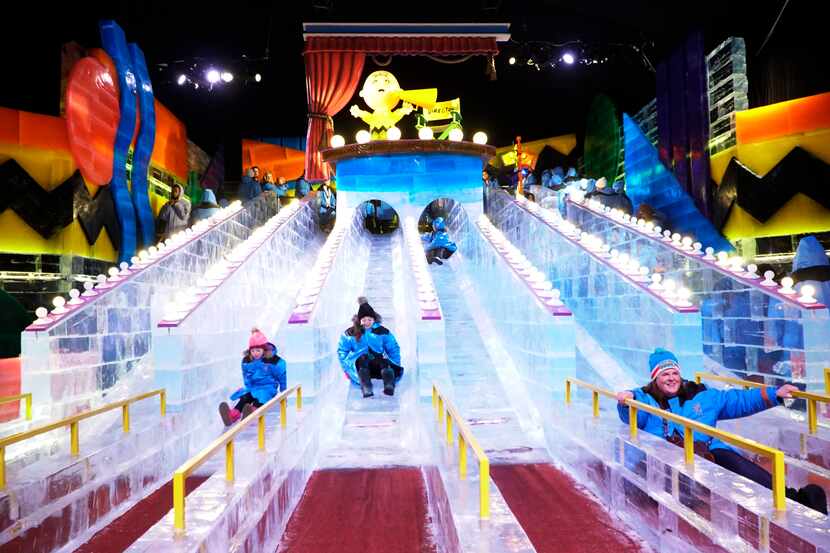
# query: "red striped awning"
{"points": [[405, 46]]}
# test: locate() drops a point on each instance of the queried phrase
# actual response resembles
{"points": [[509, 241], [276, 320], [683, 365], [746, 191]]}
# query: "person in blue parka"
{"points": [[263, 376], [438, 244], [667, 390], [367, 350], [249, 187]]}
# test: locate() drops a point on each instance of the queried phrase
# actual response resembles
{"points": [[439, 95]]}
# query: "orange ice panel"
{"points": [[799, 116], [282, 162]]}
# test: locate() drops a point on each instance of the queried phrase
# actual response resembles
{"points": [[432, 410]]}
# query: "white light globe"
{"points": [[394, 133], [362, 137], [480, 137], [456, 135], [213, 76], [425, 133], [227, 76], [337, 141]]}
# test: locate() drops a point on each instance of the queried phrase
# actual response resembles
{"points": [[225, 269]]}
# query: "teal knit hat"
{"points": [[661, 360]]}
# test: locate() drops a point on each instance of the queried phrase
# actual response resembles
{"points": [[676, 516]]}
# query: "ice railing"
{"points": [[609, 297], [98, 348], [647, 482], [751, 325], [198, 344], [429, 308], [311, 344]]}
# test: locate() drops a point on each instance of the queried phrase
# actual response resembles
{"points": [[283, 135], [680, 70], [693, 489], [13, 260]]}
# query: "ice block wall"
{"points": [[748, 328], [625, 319], [197, 360], [311, 347], [99, 350]]}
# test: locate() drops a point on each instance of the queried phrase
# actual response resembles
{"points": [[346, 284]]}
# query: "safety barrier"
{"points": [[27, 396], [226, 440], [445, 411], [812, 399], [72, 423], [689, 426]]}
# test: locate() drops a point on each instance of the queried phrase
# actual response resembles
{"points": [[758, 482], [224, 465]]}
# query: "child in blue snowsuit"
{"points": [[439, 246], [368, 350], [264, 376], [668, 391]]}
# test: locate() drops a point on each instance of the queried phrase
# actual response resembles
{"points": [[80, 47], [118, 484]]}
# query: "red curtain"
{"points": [[331, 79]]}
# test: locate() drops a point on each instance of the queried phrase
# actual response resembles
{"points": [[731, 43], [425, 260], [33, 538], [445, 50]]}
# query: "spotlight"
{"points": [[213, 76], [511, 60], [337, 141], [363, 136], [257, 77], [456, 135], [182, 79], [480, 137], [227, 76], [568, 58], [425, 133]]}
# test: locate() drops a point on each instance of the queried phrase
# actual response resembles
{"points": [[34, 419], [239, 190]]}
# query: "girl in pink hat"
{"points": [[263, 379]]}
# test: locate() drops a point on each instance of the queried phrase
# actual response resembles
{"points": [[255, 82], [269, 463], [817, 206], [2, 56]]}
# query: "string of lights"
{"points": [[552, 55], [201, 73]]}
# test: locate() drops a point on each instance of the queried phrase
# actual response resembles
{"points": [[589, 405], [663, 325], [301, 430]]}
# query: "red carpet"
{"points": [[556, 516], [360, 510], [123, 531]]}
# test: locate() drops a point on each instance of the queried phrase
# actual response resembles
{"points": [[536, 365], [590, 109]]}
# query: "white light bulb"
{"points": [[393, 133], [480, 138], [808, 294], [456, 135], [362, 136], [213, 76], [337, 141], [227, 76], [787, 286], [41, 313], [425, 133]]}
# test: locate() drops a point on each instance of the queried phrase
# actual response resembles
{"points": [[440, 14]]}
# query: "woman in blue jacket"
{"points": [[667, 390], [439, 246], [368, 350], [263, 374]]}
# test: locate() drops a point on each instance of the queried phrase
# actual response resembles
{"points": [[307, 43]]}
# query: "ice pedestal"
{"points": [[625, 320], [745, 329], [94, 354]]}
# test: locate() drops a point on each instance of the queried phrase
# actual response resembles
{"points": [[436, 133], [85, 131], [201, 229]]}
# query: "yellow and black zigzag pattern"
{"points": [[49, 212], [761, 197]]}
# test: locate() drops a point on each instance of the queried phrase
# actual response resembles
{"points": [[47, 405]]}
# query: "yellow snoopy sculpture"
{"points": [[381, 92]]}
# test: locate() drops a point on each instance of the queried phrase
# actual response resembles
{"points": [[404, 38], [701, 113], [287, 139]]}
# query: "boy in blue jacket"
{"points": [[667, 390], [264, 376], [439, 246], [368, 350]]}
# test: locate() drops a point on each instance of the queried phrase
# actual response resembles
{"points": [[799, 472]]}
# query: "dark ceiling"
{"points": [[524, 101]]}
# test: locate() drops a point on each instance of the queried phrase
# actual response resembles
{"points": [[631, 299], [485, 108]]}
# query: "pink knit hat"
{"points": [[257, 340]]}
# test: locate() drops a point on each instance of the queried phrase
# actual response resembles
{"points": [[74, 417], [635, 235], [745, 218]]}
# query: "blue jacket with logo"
{"points": [[263, 378], [378, 341], [706, 405]]}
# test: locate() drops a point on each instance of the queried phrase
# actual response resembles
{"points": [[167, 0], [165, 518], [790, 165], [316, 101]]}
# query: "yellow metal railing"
{"points": [[447, 413], [827, 380], [73, 424], [27, 396], [226, 440], [689, 426], [812, 399]]}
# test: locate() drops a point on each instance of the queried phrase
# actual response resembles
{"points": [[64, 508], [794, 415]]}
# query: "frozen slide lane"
{"points": [[361, 510], [556, 515]]}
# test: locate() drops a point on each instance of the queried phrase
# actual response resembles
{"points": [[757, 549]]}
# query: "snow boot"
{"points": [[228, 414], [813, 496], [248, 409], [365, 381], [388, 381]]}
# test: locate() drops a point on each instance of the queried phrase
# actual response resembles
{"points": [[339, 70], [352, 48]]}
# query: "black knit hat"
{"points": [[366, 310]]}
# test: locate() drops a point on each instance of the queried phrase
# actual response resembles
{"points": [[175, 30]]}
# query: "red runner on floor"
{"points": [[126, 529], [557, 517], [361, 510]]}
